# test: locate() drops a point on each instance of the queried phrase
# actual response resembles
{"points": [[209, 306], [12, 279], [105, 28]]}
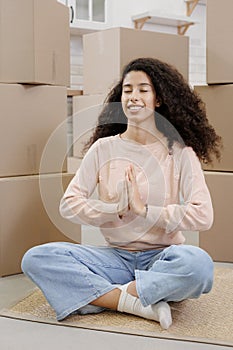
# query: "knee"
{"points": [[200, 268], [33, 258], [28, 261]]}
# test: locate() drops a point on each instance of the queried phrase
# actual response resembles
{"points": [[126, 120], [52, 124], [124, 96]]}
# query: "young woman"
{"points": [[144, 157]]}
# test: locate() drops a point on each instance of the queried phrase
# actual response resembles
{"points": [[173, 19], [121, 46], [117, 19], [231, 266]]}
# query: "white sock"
{"points": [[159, 312]]}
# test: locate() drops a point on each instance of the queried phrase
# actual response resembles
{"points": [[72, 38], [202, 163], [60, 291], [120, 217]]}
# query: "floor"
{"points": [[24, 335]]}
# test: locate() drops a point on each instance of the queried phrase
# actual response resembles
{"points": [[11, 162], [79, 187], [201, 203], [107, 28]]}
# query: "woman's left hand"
{"points": [[135, 202]]}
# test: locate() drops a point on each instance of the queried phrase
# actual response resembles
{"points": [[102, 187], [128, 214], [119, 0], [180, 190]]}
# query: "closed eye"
{"points": [[129, 91]]}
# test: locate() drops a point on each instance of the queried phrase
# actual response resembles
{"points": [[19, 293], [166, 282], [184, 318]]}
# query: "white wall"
{"points": [[122, 10], [197, 35], [62, 1], [76, 62]]}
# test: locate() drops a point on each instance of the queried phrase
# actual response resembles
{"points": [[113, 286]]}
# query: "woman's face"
{"points": [[138, 97]]}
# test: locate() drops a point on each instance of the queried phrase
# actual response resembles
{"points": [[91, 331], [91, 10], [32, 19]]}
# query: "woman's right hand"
{"points": [[134, 198]]}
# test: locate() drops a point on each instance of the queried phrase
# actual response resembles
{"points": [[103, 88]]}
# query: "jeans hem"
{"points": [[138, 287], [66, 313]]}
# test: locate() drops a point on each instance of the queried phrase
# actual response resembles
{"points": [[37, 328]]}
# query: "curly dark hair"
{"points": [[180, 105]]}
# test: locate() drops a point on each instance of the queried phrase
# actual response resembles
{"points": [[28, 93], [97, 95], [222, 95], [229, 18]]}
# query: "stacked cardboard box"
{"points": [[34, 39], [105, 54], [218, 96], [34, 74], [219, 50], [86, 109]]}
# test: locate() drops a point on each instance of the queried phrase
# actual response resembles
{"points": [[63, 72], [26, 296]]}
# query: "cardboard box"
{"points": [[218, 100], [33, 123], [218, 241], [219, 49], [29, 216], [107, 52], [86, 110], [34, 42]]}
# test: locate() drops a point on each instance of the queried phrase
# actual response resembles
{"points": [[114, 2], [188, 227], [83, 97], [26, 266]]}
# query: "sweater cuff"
{"points": [[156, 216]]}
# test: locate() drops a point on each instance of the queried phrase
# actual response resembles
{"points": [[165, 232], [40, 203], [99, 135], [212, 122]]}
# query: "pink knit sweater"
{"points": [[171, 183]]}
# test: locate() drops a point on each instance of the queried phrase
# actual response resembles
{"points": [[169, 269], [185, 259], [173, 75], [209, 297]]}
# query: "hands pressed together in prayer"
{"points": [[130, 199]]}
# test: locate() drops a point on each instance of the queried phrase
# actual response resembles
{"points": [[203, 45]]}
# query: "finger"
{"points": [[130, 174], [129, 191], [127, 174], [123, 200], [133, 170]]}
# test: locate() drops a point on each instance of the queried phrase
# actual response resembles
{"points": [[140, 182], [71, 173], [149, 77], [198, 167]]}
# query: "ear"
{"points": [[158, 102]]}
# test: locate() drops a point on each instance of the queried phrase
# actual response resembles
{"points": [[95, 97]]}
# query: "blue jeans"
{"points": [[71, 275]]}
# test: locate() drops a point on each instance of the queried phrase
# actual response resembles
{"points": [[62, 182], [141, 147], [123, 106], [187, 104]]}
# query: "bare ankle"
{"points": [[109, 300], [132, 289]]}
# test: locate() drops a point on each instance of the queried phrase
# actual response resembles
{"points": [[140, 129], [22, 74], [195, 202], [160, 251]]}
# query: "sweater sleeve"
{"points": [[195, 211], [76, 204]]}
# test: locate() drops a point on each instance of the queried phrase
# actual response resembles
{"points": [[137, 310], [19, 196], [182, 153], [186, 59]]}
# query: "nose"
{"points": [[134, 96]]}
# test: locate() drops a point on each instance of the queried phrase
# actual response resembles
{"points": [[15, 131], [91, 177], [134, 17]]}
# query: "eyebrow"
{"points": [[141, 84]]}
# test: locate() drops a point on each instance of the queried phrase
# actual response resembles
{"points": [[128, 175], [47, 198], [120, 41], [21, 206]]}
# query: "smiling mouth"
{"points": [[135, 108]]}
